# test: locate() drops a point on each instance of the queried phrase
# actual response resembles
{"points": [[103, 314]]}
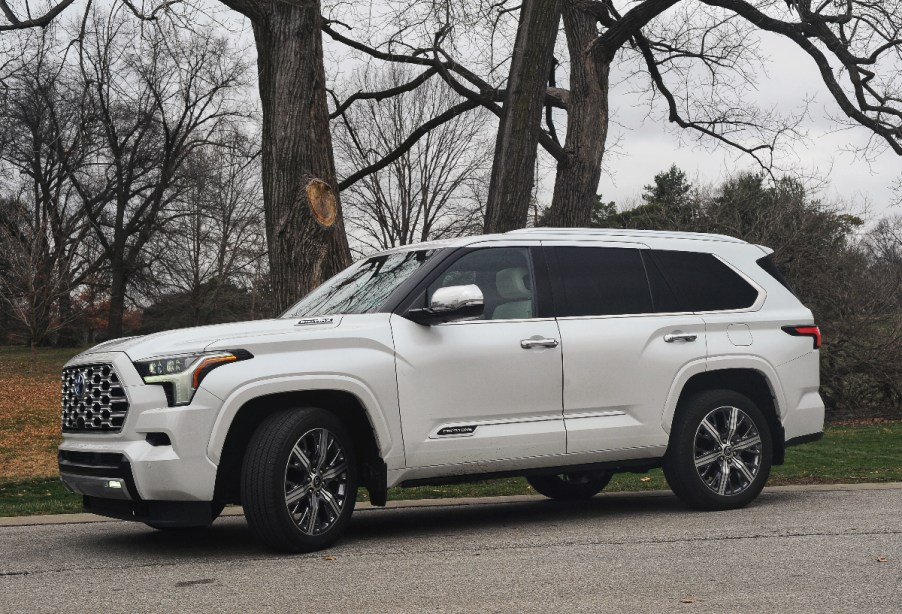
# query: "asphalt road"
{"points": [[793, 550]]}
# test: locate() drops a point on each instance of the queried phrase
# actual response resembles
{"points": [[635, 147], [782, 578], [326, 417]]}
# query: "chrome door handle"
{"points": [[671, 337], [538, 342]]}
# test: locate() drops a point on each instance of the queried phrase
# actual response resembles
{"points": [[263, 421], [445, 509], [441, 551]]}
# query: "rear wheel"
{"points": [[570, 486], [720, 451], [299, 480]]}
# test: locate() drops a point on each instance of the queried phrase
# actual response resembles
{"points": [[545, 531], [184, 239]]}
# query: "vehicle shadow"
{"points": [[230, 537]]}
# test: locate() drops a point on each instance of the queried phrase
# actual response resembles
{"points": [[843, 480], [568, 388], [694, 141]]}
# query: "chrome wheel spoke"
{"points": [[707, 459], [334, 472], [293, 496], [743, 469], [329, 498], [297, 453], [310, 529], [325, 440], [724, 478], [734, 421], [711, 430], [745, 444]]}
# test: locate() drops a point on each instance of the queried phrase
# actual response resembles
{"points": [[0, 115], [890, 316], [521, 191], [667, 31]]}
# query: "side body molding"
{"points": [[387, 441]]}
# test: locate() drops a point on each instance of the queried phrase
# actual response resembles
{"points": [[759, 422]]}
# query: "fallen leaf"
{"points": [[882, 559], [687, 598], [645, 479], [328, 558]]}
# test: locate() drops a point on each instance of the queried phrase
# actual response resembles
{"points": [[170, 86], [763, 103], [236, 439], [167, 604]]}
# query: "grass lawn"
{"points": [[29, 434]]}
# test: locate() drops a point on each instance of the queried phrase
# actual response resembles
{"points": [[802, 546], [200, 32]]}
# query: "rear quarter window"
{"points": [[704, 282]]}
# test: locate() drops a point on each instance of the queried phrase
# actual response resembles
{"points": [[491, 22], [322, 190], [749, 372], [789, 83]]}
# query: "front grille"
{"points": [[93, 399]]}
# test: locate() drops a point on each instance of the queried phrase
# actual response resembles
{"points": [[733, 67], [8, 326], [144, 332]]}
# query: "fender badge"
{"points": [[309, 321]]}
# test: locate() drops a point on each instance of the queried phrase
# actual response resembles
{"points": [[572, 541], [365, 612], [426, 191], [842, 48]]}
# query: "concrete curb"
{"points": [[27, 521]]}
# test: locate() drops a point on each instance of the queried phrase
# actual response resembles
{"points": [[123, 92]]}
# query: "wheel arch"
{"points": [[756, 381], [244, 420]]}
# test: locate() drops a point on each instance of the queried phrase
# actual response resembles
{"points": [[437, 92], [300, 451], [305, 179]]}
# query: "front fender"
{"points": [[387, 442]]}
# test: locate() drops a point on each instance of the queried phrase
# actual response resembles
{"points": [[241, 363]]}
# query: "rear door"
{"points": [[624, 340]]}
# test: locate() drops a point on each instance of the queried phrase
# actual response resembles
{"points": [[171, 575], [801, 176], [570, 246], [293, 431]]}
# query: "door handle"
{"points": [[538, 342], [678, 336]]}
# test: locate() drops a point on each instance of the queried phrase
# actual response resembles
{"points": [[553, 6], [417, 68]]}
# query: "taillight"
{"points": [[807, 330]]}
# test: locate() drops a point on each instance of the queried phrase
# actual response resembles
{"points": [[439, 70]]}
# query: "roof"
{"points": [[622, 232], [566, 233]]}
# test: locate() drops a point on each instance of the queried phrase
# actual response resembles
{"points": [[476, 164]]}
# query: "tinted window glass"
{"points": [[706, 283], [767, 263], [662, 296], [503, 274], [597, 281]]}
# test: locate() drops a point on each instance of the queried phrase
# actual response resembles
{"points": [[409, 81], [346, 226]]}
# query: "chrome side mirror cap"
{"points": [[450, 304]]}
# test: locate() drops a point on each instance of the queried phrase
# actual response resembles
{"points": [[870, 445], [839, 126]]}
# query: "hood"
{"points": [[184, 340]]}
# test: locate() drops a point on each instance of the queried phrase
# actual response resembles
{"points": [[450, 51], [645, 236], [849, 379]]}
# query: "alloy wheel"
{"points": [[727, 450]]}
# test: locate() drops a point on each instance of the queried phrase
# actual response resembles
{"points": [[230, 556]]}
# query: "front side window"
{"points": [[600, 281], [503, 274], [361, 288]]}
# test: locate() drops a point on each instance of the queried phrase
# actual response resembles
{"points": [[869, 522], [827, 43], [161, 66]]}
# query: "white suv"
{"points": [[561, 355]]}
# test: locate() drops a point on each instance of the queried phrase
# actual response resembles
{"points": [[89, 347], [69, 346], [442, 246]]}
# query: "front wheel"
{"points": [[570, 486], [299, 480], [720, 451]]}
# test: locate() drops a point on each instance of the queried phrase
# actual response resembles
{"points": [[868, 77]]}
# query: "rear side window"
{"points": [[767, 263], [704, 282], [598, 281]]}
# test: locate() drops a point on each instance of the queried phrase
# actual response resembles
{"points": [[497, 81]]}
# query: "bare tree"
{"points": [[216, 240], [426, 192], [11, 13], [55, 229], [30, 283], [150, 96]]}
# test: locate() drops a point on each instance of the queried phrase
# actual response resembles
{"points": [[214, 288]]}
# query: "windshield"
{"points": [[361, 288]]}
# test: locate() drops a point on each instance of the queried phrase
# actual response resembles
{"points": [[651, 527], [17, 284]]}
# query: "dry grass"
{"points": [[29, 412]]}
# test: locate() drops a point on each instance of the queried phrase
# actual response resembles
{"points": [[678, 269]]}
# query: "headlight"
{"points": [[181, 374]]}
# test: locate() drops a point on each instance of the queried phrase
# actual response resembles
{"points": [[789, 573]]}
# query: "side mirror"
{"points": [[450, 304]]}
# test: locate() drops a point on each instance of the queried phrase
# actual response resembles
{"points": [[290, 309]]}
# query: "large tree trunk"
{"points": [[513, 170], [304, 226], [587, 124]]}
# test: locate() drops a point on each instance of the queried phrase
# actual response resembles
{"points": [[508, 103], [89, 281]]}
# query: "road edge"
{"points": [[27, 521]]}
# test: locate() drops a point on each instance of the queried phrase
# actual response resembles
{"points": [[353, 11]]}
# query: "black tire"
{"points": [[282, 461], [732, 469], [570, 486], [215, 510]]}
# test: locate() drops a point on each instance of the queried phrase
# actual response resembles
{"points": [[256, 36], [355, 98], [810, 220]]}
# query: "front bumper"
{"points": [[131, 465]]}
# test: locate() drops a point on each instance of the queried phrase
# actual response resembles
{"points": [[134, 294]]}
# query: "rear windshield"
{"points": [[767, 263]]}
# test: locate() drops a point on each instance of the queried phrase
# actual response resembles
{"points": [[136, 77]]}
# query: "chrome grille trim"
{"points": [[102, 405]]}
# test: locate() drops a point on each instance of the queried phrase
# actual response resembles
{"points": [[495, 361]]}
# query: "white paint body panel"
{"points": [[476, 373]]}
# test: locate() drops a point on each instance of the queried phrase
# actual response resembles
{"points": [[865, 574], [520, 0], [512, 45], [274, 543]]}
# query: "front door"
{"points": [[483, 390]]}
